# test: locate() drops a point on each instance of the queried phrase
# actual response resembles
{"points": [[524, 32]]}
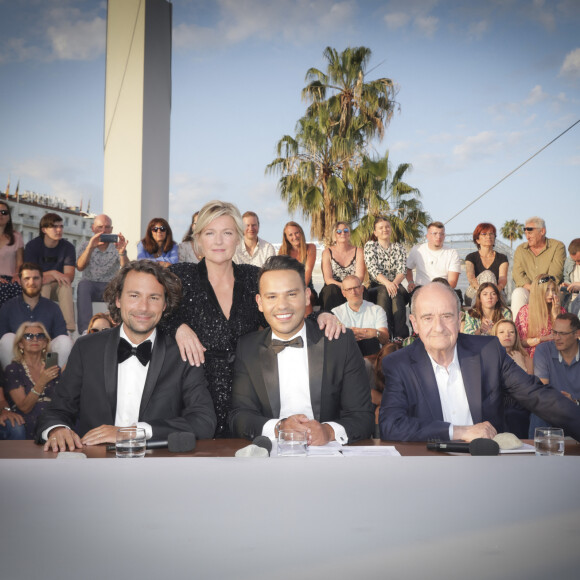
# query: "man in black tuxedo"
{"points": [[290, 377], [131, 374]]}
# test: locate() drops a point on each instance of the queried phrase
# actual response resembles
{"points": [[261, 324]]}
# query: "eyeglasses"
{"points": [[529, 229], [343, 231], [353, 288], [31, 336], [93, 330], [4, 212], [557, 333], [545, 279], [158, 228], [488, 234]]}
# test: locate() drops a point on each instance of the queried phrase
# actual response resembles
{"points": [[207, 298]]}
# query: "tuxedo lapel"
{"points": [[155, 364], [426, 383], [315, 340], [268, 362], [110, 370], [470, 364]]}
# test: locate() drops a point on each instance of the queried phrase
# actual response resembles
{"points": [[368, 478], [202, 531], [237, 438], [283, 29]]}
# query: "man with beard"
{"points": [[131, 374], [31, 306]]}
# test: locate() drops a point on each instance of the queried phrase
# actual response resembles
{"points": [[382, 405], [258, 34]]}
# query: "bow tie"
{"points": [[279, 345], [142, 352]]}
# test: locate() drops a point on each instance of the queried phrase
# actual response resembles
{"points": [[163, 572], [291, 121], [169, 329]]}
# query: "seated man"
{"points": [[56, 257], [290, 377], [448, 385], [131, 374], [32, 306], [570, 287], [367, 321], [558, 362], [539, 255], [99, 262], [252, 250]]}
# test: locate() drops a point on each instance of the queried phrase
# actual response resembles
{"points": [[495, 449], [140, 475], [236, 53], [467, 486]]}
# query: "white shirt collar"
{"points": [[151, 337]]}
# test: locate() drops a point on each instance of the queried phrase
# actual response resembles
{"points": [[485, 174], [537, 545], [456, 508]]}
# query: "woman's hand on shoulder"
{"points": [[332, 327], [190, 346]]}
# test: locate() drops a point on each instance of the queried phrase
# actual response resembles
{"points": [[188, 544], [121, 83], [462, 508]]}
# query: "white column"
{"points": [[137, 115]]}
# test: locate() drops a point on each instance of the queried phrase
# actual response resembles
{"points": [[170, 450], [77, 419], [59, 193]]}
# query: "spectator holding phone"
{"points": [[29, 381], [99, 260]]}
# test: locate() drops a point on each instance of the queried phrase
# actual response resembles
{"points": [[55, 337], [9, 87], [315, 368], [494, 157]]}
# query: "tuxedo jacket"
{"points": [[411, 407], [339, 384], [175, 396]]}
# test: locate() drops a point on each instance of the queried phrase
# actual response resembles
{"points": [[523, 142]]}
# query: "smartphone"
{"points": [[109, 238], [51, 359]]}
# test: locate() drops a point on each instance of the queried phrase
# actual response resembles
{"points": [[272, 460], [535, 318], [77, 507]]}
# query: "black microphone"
{"points": [[261, 446], [176, 442], [479, 446], [263, 442]]}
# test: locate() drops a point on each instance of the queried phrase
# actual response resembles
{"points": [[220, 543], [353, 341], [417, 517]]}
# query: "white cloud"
{"points": [[571, 66], [476, 30], [396, 20], [537, 95], [483, 144], [427, 25], [80, 40]]}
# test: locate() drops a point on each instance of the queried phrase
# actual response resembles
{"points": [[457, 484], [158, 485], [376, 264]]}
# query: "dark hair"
{"points": [[47, 221], [150, 245], [251, 214], [574, 246], [170, 282], [442, 281], [477, 310], [438, 225], [9, 227], [283, 262], [188, 236], [387, 349], [571, 318], [29, 266], [481, 228]]}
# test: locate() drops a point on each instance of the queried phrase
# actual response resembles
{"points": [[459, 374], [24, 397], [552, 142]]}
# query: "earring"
{"points": [[20, 350], [43, 351]]}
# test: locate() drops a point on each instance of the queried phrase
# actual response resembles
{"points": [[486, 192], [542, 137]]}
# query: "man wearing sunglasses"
{"points": [[536, 256]]}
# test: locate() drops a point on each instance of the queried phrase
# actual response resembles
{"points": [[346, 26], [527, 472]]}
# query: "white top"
{"points": [[369, 316], [261, 253], [430, 264]]}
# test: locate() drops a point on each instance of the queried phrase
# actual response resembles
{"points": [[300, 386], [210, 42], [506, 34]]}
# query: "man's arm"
{"points": [[556, 267], [85, 255], [519, 275]]}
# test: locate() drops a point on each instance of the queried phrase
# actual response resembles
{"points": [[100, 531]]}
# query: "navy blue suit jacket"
{"points": [[411, 408]]}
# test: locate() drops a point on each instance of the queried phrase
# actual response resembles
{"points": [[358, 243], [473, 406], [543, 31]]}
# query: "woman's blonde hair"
{"points": [[286, 246], [210, 212], [538, 310], [518, 343], [16, 354]]}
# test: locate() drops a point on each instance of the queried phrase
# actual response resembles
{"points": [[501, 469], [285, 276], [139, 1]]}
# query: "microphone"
{"points": [[176, 442], [479, 446], [261, 447]]}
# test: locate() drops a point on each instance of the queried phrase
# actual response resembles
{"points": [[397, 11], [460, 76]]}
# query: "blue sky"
{"points": [[482, 86]]}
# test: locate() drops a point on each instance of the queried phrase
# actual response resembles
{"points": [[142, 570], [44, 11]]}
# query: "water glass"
{"points": [[131, 442], [549, 441], [292, 443]]}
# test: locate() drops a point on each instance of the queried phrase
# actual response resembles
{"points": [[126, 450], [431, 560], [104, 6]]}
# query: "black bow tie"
{"points": [[279, 345], [142, 352]]}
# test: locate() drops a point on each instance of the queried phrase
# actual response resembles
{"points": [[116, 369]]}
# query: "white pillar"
{"points": [[137, 115]]}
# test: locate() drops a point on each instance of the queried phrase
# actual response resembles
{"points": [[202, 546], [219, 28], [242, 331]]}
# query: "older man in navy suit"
{"points": [[448, 385]]}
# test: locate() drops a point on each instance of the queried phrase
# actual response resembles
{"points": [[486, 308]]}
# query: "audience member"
{"points": [[488, 309], [99, 261], [367, 321], [485, 265], [100, 321], [131, 374], [338, 261], [31, 306], [558, 363], [508, 336], [534, 320], [290, 377], [11, 252], [29, 382], [433, 260], [186, 250], [158, 244], [386, 262], [571, 285], [251, 249], [56, 257], [448, 385], [11, 424], [536, 256]]}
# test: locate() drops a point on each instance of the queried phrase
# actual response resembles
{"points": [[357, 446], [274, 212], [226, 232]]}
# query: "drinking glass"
{"points": [[130, 442], [292, 443], [549, 441]]}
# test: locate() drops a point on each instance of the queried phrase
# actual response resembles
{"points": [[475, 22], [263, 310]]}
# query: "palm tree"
{"points": [[512, 230]]}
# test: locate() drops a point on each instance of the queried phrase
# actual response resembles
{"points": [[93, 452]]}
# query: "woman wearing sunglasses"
{"points": [[158, 244], [29, 383], [100, 321], [339, 261], [11, 254], [534, 320]]}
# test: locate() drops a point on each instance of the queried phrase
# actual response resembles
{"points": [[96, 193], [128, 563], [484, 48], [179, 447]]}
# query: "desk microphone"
{"points": [[261, 447], [176, 442], [479, 446]]}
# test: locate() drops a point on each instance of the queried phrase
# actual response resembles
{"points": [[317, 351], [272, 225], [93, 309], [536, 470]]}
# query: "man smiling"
{"points": [[290, 377]]}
